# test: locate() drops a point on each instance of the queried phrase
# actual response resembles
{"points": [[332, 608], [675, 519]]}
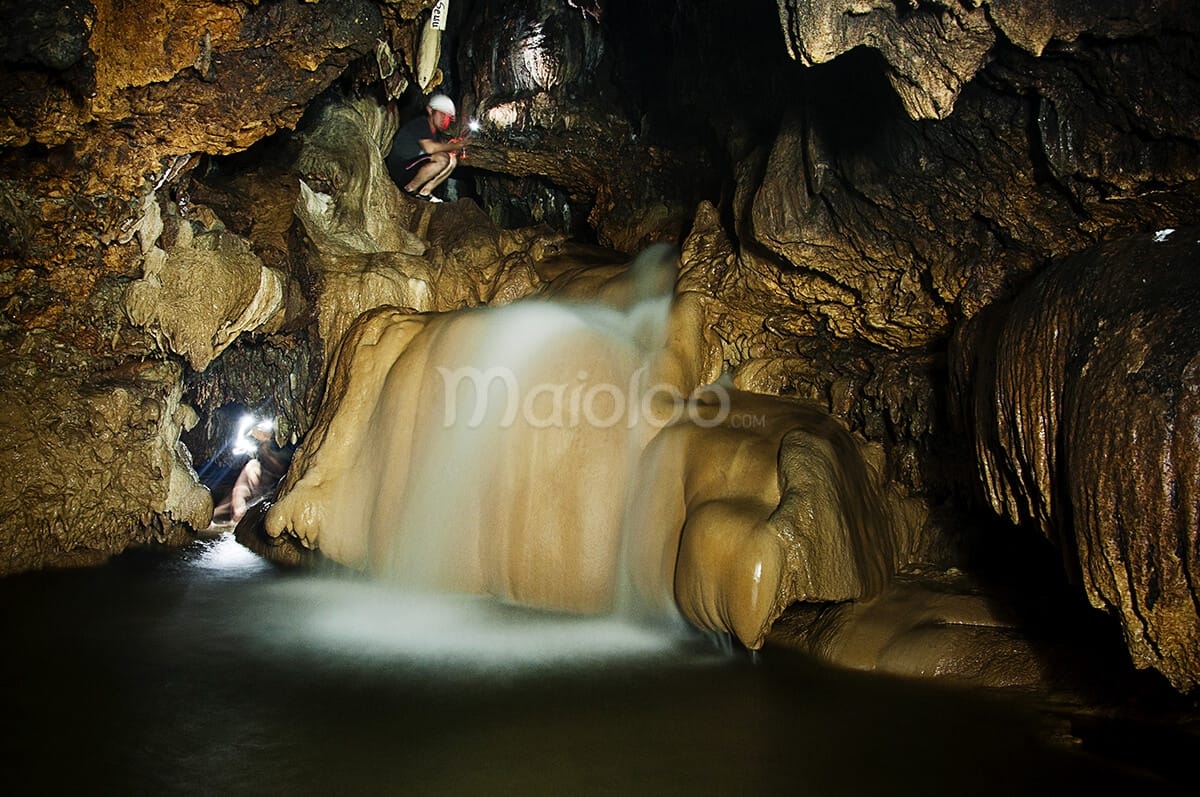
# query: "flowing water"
{"points": [[207, 671]]}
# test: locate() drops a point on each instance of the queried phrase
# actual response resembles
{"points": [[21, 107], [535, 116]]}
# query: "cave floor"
{"points": [[206, 670]]}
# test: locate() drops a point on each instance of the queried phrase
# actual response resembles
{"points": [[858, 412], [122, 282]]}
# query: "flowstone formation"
{"points": [[1082, 399], [563, 452], [591, 514]]}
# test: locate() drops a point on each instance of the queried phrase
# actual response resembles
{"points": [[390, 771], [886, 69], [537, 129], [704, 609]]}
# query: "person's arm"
{"points": [[430, 146]]}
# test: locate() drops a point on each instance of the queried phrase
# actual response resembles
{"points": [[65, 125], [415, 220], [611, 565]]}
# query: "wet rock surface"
{"points": [[1081, 400]]}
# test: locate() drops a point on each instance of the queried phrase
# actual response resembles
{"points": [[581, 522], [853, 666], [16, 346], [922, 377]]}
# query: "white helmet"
{"points": [[440, 102]]}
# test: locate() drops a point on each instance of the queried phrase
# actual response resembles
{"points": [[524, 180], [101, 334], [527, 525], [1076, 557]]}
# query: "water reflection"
{"points": [[204, 673]]}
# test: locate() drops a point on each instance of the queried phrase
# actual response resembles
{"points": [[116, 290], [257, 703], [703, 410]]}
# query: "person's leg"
{"points": [[427, 171], [441, 176]]}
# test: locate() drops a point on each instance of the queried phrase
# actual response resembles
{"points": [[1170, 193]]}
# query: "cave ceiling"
{"points": [[891, 167]]}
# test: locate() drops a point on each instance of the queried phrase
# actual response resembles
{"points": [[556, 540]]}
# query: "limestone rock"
{"points": [[932, 49], [944, 627], [368, 246], [534, 69], [889, 230], [730, 507], [112, 474], [1081, 399], [197, 297], [358, 207], [351, 286], [1032, 26]]}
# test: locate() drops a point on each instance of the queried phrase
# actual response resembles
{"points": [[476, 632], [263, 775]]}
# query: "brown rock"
{"points": [[1082, 400]]}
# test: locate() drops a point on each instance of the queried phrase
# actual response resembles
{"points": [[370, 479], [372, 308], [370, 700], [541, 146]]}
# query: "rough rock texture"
{"points": [[934, 47], [838, 219], [367, 245], [197, 297], [93, 464], [106, 107], [1083, 402], [149, 67], [343, 156], [535, 70], [273, 377], [889, 229]]}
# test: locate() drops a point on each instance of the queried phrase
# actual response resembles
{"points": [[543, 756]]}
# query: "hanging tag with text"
{"points": [[437, 19]]}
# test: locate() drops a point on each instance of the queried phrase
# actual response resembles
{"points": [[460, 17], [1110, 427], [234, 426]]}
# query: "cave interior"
{"points": [[962, 231]]}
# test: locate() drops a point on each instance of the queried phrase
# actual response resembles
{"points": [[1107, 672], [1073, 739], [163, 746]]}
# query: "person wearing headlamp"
{"points": [[423, 154]]}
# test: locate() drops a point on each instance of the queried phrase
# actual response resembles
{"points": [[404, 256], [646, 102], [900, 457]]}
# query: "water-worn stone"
{"points": [[1082, 398]]}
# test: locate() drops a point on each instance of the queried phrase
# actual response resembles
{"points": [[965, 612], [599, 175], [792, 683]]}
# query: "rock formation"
{"points": [[107, 108], [546, 450], [934, 49], [1081, 399], [93, 466]]}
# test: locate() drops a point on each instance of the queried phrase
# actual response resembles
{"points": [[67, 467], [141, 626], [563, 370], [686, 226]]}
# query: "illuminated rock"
{"points": [[545, 453], [199, 295], [113, 474]]}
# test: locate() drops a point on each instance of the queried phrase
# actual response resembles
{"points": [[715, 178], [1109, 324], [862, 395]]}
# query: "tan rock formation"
{"points": [[93, 462], [932, 49], [198, 296], [105, 107], [839, 242], [370, 246], [565, 480], [344, 155]]}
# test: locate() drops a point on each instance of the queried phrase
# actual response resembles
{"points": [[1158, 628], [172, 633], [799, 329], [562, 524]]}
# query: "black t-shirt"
{"points": [[406, 144]]}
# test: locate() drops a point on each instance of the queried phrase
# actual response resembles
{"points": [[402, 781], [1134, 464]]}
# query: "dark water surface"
{"points": [[206, 671]]}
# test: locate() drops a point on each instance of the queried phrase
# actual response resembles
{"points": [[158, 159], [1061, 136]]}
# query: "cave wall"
{"points": [[890, 227], [1080, 399]]}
